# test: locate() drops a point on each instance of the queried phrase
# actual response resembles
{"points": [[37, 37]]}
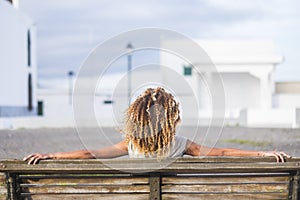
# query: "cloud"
{"points": [[67, 28], [279, 22]]}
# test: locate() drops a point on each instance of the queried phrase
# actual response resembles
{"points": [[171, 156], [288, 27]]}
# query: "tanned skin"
{"points": [[120, 149]]}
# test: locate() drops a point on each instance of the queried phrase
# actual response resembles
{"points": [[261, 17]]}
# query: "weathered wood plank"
{"points": [[72, 175], [214, 176], [139, 166], [230, 159], [85, 181], [3, 197], [210, 159], [273, 196], [190, 180], [90, 189], [88, 196], [3, 189], [2, 178], [238, 188]]}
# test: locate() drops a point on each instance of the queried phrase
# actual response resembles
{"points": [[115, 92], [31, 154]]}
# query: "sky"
{"points": [[68, 30]]}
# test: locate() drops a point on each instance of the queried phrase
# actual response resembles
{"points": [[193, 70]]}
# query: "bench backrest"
{"points": [[185, 178]]}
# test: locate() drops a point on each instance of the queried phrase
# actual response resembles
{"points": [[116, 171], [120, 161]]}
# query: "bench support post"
{"points": [[13, 186], [296, 187], [155, 186]]}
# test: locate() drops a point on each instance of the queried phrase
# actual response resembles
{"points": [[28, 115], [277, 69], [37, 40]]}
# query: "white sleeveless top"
{"points": [[177, 150]]}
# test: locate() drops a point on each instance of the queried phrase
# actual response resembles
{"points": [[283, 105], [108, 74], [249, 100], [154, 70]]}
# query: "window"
{"points": [[30, 106], [28, 49], [187, 70]]}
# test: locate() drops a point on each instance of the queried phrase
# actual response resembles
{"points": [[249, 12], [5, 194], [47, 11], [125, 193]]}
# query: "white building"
{"points": [[17, 62], [246, 68]]}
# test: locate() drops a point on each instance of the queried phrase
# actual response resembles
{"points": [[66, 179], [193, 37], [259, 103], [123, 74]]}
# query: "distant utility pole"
{"points": [[70, 75], [129, 48]]}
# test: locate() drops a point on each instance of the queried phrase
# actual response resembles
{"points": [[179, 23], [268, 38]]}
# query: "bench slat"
{"points": [[68, 175], [225, 180], [274, 196], [88, 196], [90, 180], [245, 188], [136, 166], [91, 189]]}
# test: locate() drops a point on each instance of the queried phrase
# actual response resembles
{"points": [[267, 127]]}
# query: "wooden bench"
{"points": [[184, 178]]}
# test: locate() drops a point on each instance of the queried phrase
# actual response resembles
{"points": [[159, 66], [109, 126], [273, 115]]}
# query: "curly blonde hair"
{"points": [[150, 122]]}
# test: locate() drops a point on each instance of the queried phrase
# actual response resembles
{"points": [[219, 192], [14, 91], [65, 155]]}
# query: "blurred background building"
{"points": [[247, 68], [18, 71]]}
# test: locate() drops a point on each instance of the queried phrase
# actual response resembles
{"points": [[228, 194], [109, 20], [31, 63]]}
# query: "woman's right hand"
{"points": [[278, 155], [36, 157]]}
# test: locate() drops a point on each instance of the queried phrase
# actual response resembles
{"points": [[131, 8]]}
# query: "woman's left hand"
{"points": [[36, 157]]}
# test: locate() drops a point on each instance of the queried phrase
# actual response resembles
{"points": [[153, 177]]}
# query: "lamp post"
{"points": [[129, 48], [70, 74]]}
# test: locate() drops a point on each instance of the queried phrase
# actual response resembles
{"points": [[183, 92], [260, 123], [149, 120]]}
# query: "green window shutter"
{"points": [[187, 70]]}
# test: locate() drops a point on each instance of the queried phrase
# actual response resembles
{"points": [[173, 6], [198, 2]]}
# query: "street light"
{"points": [[129, 48], [70, 74]]}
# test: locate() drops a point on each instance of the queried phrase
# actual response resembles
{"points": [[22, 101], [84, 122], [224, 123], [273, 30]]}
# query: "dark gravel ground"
{"points": [[15, 144]]}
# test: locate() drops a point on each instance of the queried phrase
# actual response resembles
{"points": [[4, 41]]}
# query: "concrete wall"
{"points": [[287, 101], [272, 118], [241, 91], [287, 95]]}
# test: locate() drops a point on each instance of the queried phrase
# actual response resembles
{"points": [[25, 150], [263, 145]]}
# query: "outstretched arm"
{"points": [[119, 149], [195, 149]]}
